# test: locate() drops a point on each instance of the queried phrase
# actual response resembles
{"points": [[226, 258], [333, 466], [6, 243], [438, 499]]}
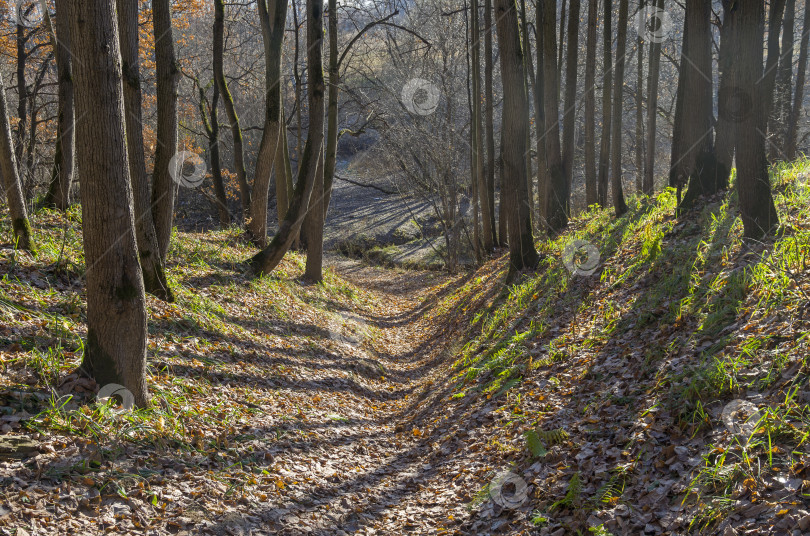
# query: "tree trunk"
{"points": [[784, 82], [569, 117], [489, 121], [299, 101], [22, 102], [503, 221], [729, 106], [522, 254], [648, 186], [267, 259], [212, 131], [152, 267], [30, 147], [322, 190], [11, 179], [230, 108], [590, 105], [455, 229], [543, 178], [559, 60], [313, 226], [330, 158], [616, 126], [477, 141], [798, 99], [166, 81], [693, 156], [607, 90], [273, 38], [753, 184], [58, 195], [640, 115], [283, 171], [116, 313], [557, 186], [33, 124], [772, 63], [475, 170], [528, 73]]}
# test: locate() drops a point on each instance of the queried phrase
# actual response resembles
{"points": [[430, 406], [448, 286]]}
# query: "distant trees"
{"points": [[784, 82], [11, 178], [556, 189], [541, 132], [570, 110], [788, 97], [573, 85], [210, 120], [796, 107], [590, 105], [64, 165], [695, 161], [619, 204], [775, 17], [607, 104], [489, 121], [648, 184], [421, 113], [476, 127]]}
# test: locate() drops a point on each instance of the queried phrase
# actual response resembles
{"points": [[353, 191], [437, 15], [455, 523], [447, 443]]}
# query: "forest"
{"points": [[387, 267]]}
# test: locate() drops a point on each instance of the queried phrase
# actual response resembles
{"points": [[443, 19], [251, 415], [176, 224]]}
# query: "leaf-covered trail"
{"points": [[364, 468]]}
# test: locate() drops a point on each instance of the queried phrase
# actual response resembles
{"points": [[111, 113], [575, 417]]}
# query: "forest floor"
{"points": [[278, 407], [663, 392]]}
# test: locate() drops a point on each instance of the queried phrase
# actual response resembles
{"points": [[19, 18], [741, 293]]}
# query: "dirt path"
{"points": [[366, 475]]}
